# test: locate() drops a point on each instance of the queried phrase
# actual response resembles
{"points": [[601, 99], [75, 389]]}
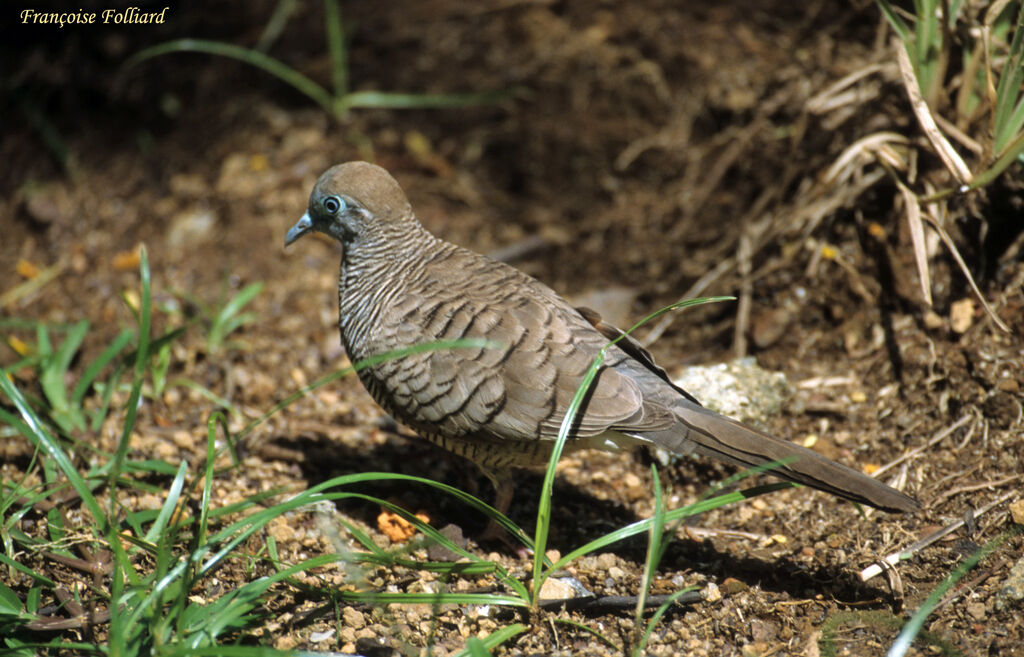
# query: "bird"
{"points": [[501, 405]]}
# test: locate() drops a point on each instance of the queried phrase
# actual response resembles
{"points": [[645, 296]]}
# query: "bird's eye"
{"points": [[332, 204]]}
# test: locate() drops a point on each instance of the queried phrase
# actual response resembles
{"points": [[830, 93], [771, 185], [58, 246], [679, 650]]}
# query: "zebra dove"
{"points": [[502, 407]]}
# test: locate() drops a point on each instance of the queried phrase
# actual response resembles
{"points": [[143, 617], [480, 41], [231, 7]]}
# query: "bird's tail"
{"points": [[711, 434]]}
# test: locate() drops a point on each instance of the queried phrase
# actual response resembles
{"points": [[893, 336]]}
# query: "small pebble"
{"points": [[353, 618], [1017, 511]]}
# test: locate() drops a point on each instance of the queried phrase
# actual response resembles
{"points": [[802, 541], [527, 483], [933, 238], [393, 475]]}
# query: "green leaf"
{"points": [[21, 568], [10, 603], [894, 19], [229, 318], [477, 648], [157, 529], [495, 639]]}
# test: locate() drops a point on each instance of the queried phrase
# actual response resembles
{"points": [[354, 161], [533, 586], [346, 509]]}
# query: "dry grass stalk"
{"points": [[954, 163]]}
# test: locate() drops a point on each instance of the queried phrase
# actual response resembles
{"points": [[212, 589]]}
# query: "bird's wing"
{"points": [[634, 349], [519, 390]]}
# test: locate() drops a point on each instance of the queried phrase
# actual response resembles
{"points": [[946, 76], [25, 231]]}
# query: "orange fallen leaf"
{"points": [[181, 513], [26, 269], [259, 162], [127, 260], [19, 345], [397, 528]]}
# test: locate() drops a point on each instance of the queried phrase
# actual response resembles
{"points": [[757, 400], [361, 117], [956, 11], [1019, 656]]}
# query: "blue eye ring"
{"points": [[333, 205]]}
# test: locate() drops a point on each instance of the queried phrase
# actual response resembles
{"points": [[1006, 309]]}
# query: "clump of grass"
{"points": [[51, 362], [340, 99], [222, 319], [987, 99], [981, 108]]}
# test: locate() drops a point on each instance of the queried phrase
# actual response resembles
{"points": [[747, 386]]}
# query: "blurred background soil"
{"points": [[645, 151]]}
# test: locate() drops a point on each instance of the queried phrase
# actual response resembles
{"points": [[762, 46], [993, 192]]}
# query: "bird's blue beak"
{"points": [[301, 227]]}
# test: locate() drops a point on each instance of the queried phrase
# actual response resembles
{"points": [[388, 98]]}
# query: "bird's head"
{"points": [[353, 201]]}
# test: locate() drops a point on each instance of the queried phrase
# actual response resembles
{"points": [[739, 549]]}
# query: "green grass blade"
{"points": [[25, 570], [318, 94], [467, 499], [10, 603], [141, 361], [451, 568], [123, 567], [229, 650], [591, 631], [928, 45], [1010, 155], [152, 598], [159, 343], [54, 373], [672, 516], [495, 639], [1008, 91], [156, 530], [43, 440], [477, 648], [275, 26], [211, 455], [894, 19], [205, 393], [391, 100], [151, 467], [656, 616], [654, 554], [374, 598], [94, 368], [108, 392], [58, 646], [72, 342], [544, 507], [228, 318], [336, 46], [903, 642], [1011, 131], [367, 542]]}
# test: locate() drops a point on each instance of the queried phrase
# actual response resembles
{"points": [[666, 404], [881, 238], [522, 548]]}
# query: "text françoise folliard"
{"points": [[127, 16]]}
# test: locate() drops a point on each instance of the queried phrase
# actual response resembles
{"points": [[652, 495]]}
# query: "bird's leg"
{"points": [[504, 487]]}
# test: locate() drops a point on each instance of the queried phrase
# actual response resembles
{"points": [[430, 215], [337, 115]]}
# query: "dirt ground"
{"points": [[648, 150]]}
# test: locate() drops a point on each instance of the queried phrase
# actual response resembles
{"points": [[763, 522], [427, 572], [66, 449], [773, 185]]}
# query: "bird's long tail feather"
{"points": [[711, 434]]}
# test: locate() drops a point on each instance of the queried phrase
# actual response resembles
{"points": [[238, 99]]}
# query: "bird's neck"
{"points": [[377, 270], [386, 255]]}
